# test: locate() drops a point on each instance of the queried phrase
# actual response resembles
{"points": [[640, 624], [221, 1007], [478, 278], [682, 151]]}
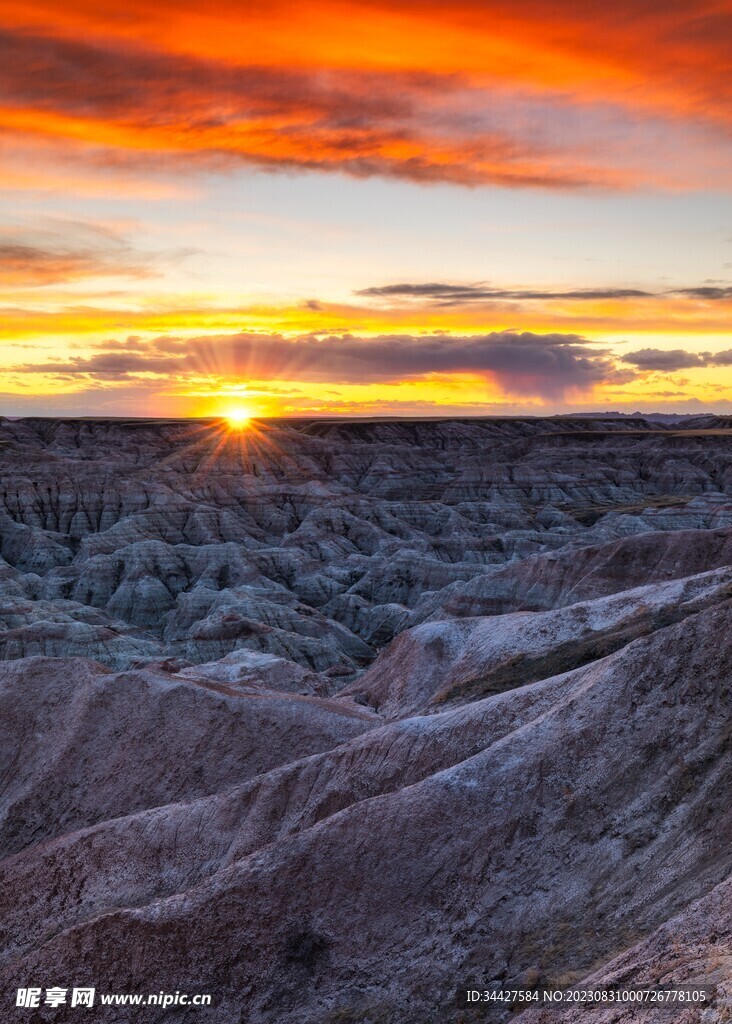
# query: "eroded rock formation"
{"points": [[328, 719]]}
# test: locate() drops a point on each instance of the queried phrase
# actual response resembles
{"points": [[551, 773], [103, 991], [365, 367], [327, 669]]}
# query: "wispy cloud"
{"points": [[707, 293], [63, 251], [443, 294], [464, 294]]}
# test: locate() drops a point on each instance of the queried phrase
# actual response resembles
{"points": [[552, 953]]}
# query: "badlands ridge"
{"points": [[329, 719]]}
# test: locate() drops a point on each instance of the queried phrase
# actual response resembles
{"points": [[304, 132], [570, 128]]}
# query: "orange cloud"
{"points": [[545, 43], [155, 108], [517, 94]]}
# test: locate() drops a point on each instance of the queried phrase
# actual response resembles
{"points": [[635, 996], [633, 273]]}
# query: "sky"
{"points": [[342, 207]]}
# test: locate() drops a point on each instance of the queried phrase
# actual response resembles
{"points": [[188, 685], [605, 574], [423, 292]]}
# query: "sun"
{"points": [[238, 418]]}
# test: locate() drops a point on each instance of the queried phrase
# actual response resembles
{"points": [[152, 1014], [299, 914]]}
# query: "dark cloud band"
{"points": [[522, 363], [442, 294], [669, 360]]}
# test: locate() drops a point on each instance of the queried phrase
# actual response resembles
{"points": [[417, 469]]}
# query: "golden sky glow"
{"points": [[362, 207]]}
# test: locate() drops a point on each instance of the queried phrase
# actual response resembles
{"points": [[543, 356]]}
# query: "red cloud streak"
{"points": [[470, 92]]}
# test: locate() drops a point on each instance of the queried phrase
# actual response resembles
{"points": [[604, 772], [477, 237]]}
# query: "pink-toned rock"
{"points": [[565, 828], [85, 744]]}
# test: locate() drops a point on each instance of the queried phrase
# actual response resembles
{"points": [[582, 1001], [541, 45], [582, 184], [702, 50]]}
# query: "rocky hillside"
{"points": [[328, 718]]}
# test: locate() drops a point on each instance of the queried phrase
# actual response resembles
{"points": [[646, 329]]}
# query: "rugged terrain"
{"points": [[328, 718]]}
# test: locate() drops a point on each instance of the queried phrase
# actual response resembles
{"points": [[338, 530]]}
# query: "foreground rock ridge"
{"points": [[329, 719]]}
